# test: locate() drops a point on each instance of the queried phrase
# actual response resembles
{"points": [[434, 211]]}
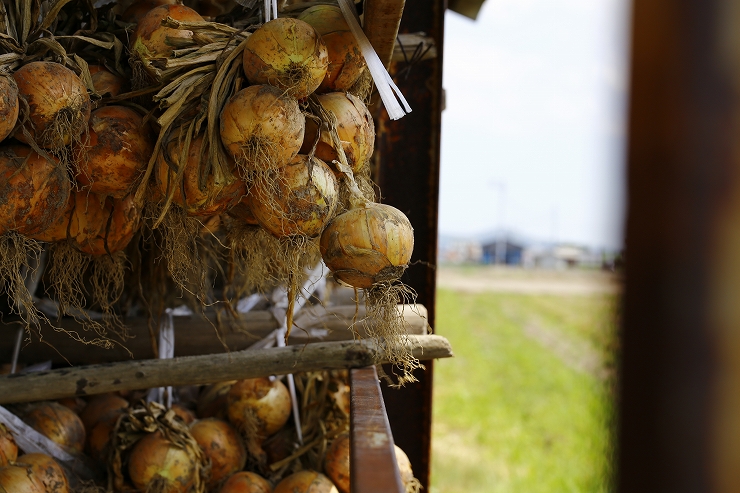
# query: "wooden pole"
{"points": [[205, 369], [382, 19]]}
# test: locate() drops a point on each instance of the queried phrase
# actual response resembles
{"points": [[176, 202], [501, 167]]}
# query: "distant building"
{"points": [[460, 251], [503, 252], [561, 257]]}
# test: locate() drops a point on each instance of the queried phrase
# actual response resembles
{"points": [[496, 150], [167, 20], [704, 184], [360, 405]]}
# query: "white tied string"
{"points": [[387, 89], [270, 10], [163, 395]]}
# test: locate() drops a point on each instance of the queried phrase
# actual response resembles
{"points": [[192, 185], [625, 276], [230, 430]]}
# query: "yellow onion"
{"points": [[213, 198], [306, 481], [8, 447], [74, 403], [57, 423], [117, 152], [58, 101], [367, 245], [8, 105], [183, 413], [336, 462], [155, 460], [262, 127], [265, 401], [100, 408], [404, 466], [150, 40], [17, 479], [346, 62], [82, 218], [105, 82], [355, 129], [98, 440], [279, 446], [297, 199], [140, 8], [246, 482], [47, 470], [221, 443], [33, 190], [286, 53], [212, 400]]}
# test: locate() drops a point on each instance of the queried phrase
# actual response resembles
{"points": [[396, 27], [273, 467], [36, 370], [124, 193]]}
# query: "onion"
{"points": [[59, 424], [47, 470], [212, 198], [58, 101], [306, 482], [221, 443], [297, 199], [212, 400], [404, 466], [183, 413], [246, 482], [150, 40], [99, 437], [355, 129], [105, 82], [82, 218], [262, 128], [367, 245], [140, 8], [8, 447], [102, 408], [74, 403], [287, 53], [336, 462], [243, 212], [259, 403], [33, 190], [8, 105], [346, 62], [16, 479], [117, 152], [155, 462]]}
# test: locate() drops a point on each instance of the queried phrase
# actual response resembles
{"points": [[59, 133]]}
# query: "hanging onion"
{"points": [[404, 466], [246, 482], [286, 53], [98, 440], [155, 462], [183, 413], [100, 408], [8, 447], [8, 105], [221, 443], [140, 8], [306, 481], [47, 470], [17, 479], [336, 462], [122, 222], [367, 245], [58, 423], [260, 403], [152, 40], [105, 82]]}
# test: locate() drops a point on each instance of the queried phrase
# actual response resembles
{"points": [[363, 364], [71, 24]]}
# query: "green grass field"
{"points": [[525, 406]]}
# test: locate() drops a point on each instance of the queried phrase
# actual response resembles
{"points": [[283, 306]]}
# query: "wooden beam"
{"points": [[382, 19], [373, 466], [197, 370]]}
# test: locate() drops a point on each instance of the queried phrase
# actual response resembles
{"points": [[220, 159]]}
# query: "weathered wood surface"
{"points": [[407, 44], [382, 19], [204, 369], [373, 466]]}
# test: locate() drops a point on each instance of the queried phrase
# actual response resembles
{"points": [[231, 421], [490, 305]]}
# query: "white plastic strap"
{"points": [[381, 77], [163, 395], [271, 10]]}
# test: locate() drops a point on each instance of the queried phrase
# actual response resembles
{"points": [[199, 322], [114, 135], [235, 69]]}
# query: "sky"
{"points": [[533, 131]]}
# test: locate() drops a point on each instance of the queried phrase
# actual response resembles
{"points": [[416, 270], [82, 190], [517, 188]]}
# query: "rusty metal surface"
{"points": [[373, 466]]}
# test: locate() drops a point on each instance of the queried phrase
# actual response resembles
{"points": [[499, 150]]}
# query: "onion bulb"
{"points": [[157, 462], [404, 466], [259, 405], [212, 400], [47, 470], [246, 482], [367, 245], [8, 105], [17, 479], [336, 462], [58, 101], [59, 424], [100, 408], [346, 62], [98, 440], [8, 447], [140, 8], [183, 413], [117, 152], [33, 190], [152, 40], [286, 53], [221, 443], [262, 128], [355, 129], [306, 481], [297, 199], [105, 82]]}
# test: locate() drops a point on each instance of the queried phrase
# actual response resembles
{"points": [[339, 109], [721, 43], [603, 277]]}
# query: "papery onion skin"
{"points": [[336, 462], [105, 82], [17, 479], [154, 458], [221, 443], [122, 223], [286, 53], [297, 199], [8, 447], [54, 93], [246, 482], [8, 105], [268, 400], [33, 190], [367, 245], [306, 481], [46, 469], [59, 424], [150, 38], [117, 152], [262, 116]]}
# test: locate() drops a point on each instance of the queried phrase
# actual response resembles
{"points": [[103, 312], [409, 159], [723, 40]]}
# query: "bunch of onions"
{"points": [[259, 405], [297, 199], [102, 407], [8, 105], [336, 462], [117, 152], [220, 443], [246, 482], [212, 400], [59, 424], [157, 464], [47, 470], [105, 82], [262, 128], [8, 447], [355, 129], [18, 479], [346, 62], [58, 101], [286, 53], [306, 481], [369, 244]]}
